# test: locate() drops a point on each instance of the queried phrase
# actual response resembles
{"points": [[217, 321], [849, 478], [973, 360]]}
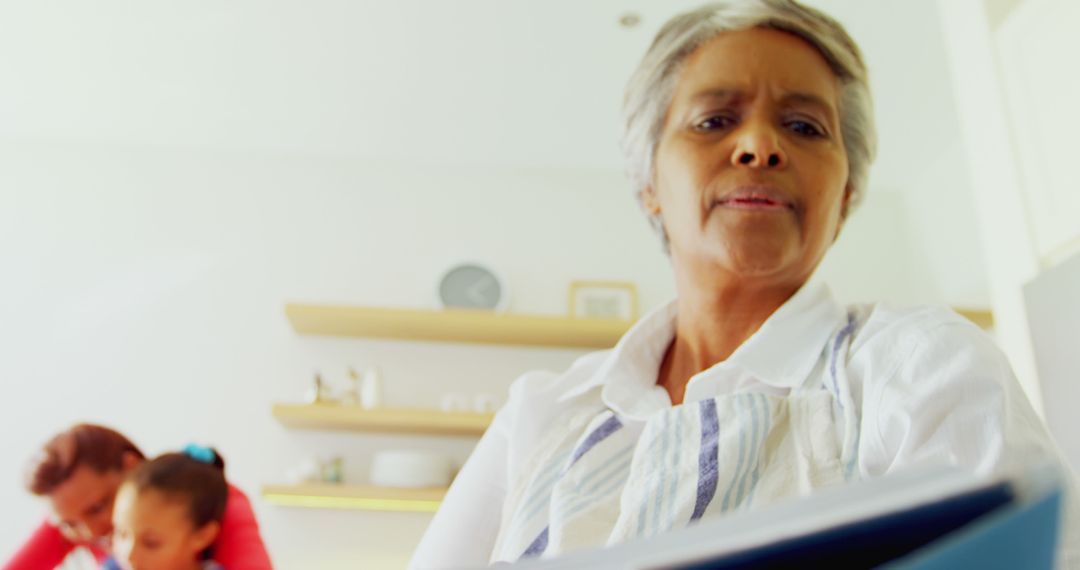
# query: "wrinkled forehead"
{"points": [[744, 62]]}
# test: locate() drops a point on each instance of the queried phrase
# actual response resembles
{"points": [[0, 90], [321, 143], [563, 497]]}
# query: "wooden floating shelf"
{"points": [[455, 325], [982, 317], [482, 327], [365, 497], [396, 420]]}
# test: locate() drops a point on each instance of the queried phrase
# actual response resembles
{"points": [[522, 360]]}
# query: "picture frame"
{"points": [[610, 300]]}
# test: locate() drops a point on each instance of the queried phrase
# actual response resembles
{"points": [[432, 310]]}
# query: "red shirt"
{"points": [[238, 546]]}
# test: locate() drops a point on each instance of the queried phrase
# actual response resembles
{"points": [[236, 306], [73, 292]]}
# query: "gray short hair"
{"points": [[651, 87]]}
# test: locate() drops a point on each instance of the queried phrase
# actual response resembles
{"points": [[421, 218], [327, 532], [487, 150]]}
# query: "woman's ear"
{"points": [[130, 460], [649, 200], [845, 203]]}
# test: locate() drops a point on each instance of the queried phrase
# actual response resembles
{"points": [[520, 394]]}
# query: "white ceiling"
{"points": [[508, 83]]}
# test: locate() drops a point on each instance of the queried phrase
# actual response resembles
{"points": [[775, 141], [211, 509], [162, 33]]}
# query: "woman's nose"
{"points": [[100, 528], [758, 147]]}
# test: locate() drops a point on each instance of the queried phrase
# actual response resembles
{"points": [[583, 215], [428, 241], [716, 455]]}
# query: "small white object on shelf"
{"points": [[402, 468], [483, 403], [454, 402], [371, 389], [308, 471]]}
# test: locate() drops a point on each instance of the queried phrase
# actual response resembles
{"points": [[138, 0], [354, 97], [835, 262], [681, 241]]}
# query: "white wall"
{"points": [[170, 176], [1033, 43], [1054, 312], [1004, 229]]}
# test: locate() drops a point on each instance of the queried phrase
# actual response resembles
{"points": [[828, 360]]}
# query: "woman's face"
{"points": [[751, 172], [83, 504], [152, 531]]}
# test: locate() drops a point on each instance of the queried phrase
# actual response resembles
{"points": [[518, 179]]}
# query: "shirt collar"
{"points": [[782, 353]]}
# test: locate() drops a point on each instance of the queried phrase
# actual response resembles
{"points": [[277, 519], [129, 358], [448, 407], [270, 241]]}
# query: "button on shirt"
{"points": [[928, 386]]}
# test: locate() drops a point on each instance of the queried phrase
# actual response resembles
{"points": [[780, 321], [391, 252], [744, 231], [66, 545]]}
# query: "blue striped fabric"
{"points": [[605, 429], [662, 472], [837, 344], [644, 482], [707, 466], [756, 444], [650, 452], [742, 456], [851, 450], [767, 419], [538, 546], [674, 486], [613, 480], [599, 434], [538, 499]]}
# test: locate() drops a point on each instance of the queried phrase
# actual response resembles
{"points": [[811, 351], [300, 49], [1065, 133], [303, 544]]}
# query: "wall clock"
{"points": [[472, 286]]}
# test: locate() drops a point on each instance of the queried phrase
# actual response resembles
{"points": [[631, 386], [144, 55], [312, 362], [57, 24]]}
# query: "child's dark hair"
{"points": [[195, 477]]}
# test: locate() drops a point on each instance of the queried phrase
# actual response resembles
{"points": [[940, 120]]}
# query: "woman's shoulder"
{"points": [[549, 385], [891, 326], [927, 342], [540, 397], [237, 505], [933, 386], [240, 542], [909, 356]]}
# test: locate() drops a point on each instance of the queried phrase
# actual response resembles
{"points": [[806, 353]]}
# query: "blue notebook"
{"points": [[1020, 535], [932, 519]]}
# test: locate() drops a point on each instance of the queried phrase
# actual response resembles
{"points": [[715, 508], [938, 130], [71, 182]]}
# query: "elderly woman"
{"points": [[749, 134]]}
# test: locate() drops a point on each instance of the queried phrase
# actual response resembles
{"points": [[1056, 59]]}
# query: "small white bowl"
{"points": [[399, 468]]}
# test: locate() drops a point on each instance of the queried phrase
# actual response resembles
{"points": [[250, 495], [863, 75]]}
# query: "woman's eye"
{"points": [[806, 129], [713, 123], [102, 506]]}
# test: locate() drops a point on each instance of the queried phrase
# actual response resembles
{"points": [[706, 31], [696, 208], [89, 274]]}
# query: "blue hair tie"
{"points": [[200, 453]]}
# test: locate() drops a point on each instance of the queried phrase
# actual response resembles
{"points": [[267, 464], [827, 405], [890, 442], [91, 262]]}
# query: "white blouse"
{"points": [[929, 387]]}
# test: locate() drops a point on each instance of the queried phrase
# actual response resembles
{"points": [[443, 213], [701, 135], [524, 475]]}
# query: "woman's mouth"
{"points": [[762, 199]]}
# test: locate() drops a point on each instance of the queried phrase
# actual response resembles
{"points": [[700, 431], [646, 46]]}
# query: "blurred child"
{"points": [[168, 513]]}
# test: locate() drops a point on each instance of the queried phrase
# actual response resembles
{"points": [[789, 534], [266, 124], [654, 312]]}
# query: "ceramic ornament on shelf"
{"points": [[318, 393], [472, 286], [313, 470], [351, 395], [332, 470], [371, 389]]}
